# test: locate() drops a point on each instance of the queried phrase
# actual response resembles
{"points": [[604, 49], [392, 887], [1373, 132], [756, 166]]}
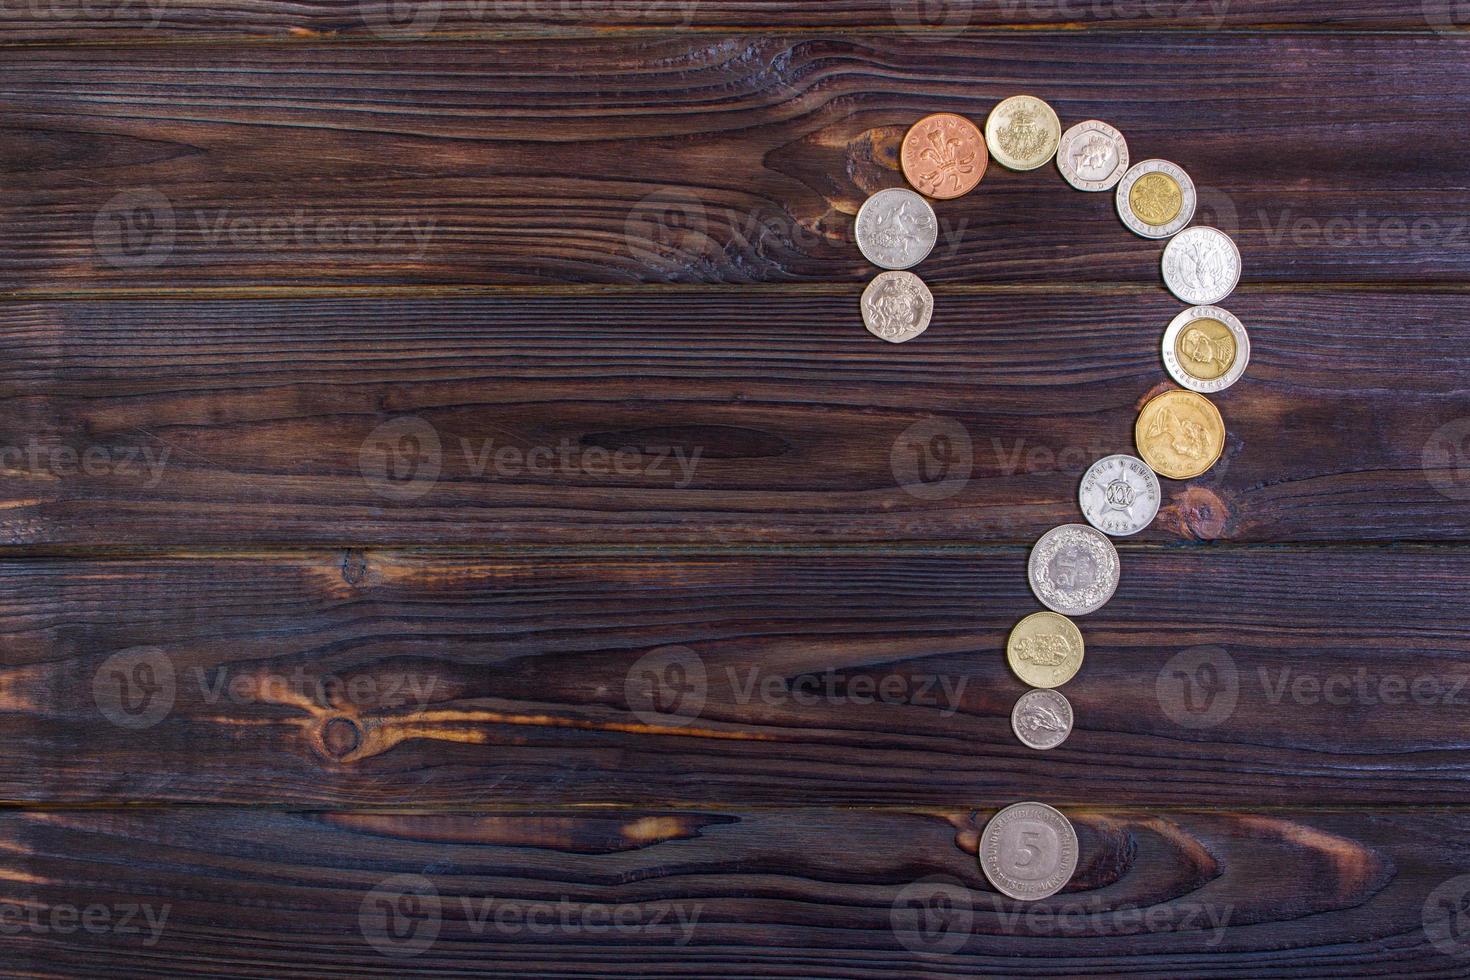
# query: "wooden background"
{"points": [[283, 697]]}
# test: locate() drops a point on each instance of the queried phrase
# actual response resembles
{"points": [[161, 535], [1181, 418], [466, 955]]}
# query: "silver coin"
{"points": [[1028, 851], [896, 228], [897, 306], [1162, 206], [1201, 265], [1193, 340], [1074, 569], [1120, 495], [1093, 156], [1042, 719]]}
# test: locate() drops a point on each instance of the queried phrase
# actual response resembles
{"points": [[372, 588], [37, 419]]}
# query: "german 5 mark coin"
{"points": [[1028, 851], [1092, 156], [896, 228], [1201, 265], [943, 156], [1074, 569], [1119, 495], [897, 306], [1180, 434], [1023, 132], [1206, 349], [1042, 719], [1156, 199], [1045, 650]]}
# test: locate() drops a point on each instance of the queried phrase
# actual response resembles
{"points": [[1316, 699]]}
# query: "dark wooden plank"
{"points": [[152, 20], [386, 679], [789, 893], [738, 159], [706, 418]]}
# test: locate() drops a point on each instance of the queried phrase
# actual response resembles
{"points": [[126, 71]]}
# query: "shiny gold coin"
{"points": [[1205, 348], [1180, 434], [1045, 649], [1023, 132], [1156, 198]]}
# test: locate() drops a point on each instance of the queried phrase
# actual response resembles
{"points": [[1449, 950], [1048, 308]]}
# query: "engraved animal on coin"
{"points": [[896, 228], [1201, 265]]}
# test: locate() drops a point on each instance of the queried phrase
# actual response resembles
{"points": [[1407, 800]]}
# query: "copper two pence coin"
{"points": [[944, 156]]}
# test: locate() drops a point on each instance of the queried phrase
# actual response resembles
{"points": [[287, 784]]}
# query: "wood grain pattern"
{"points": [[790, 893], [705, 418], [738, 159], [1246, 678]]}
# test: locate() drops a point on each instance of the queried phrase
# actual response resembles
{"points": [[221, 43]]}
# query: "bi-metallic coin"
{"points": [[1206, 349], [1156, 199]]}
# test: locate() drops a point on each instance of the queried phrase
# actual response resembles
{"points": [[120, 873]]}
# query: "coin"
{"points": [[1045, 649], [897, 306], [944, 156], [896, 228], [1092, 156], [1206, 349], [1201, 265], [1156, 199], [1042, 719], [1022, 132], [1119, 495], [1028, 851], [1074, 569], [1180, 434]]}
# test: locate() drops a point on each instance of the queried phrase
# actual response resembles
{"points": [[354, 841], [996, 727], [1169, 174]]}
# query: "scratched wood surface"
{"points": [[299, 677]]}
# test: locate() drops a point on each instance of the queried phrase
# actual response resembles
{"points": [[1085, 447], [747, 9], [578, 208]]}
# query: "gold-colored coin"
{"points": [[1045, 649], [1180, 434], [1205, 348], [1156, 198], [1023, 132]]}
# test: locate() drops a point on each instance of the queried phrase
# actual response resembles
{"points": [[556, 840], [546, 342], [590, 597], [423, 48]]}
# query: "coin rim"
{"points": [[863, 305], [1071, 719], [1010, 655], [1158, 497], [1093, 186], [1137, 443], [1164, 267], [1136, 224], [1031, 577], [857, 228], [984, 165], [1000, 157], [1242, 347], [1076, 848]]}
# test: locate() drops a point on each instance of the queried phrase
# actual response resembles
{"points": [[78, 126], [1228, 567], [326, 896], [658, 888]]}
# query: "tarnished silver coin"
{"points": [[1206, 349], [897, 306], [1042, 719], [1093, 156], [896, 228], [1074, 569], [1156, 199], [1120, 495], [1028, 851], [1201, 265]]}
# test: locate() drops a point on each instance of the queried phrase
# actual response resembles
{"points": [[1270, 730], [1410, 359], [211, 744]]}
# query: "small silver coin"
{"points": [[896, 228], [1074, 569], [1194, 341], [1120, 495], [1201, 265], [1028, 851], [1164, 202], [897, 306], [1042, 719], [1093, 156]]}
